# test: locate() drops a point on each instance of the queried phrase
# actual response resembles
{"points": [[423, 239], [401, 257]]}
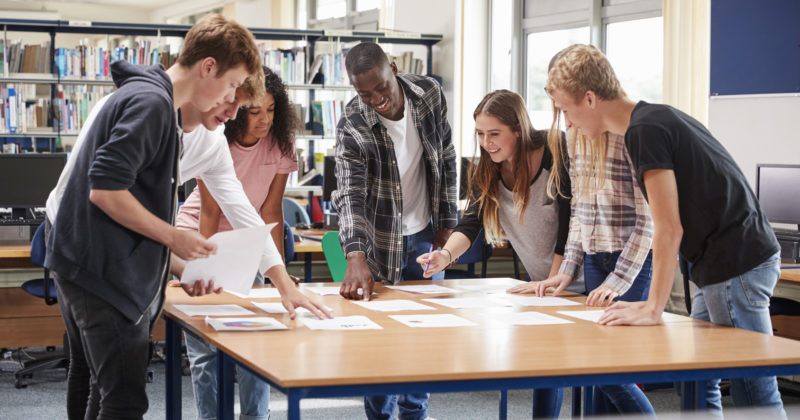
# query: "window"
{"points": [[500, 52], [364, 5], [636, 51], [542, 46], [329, 9]]}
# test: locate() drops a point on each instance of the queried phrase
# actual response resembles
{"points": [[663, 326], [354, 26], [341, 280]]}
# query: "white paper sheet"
{"points": [[529, 318], [426, 289], [213, 310], [535, 300], [323, 290], [277, 308], [264, 292], [594, 316], [355, 322], [484, 288], [235, 264], [469, 302], [394, 305], [433, 321], [245, 324]]}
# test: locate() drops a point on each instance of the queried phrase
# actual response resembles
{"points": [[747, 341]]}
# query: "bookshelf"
{"points": [[310, 38]]}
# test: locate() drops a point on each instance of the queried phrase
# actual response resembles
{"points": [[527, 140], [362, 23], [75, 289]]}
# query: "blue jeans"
{"points": [[742, 302], [627, 398], [253, 392], [411, 406]]}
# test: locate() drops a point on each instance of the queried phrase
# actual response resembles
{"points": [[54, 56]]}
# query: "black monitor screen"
{"points": [[778, 191], [27, 179], [329, 178]]}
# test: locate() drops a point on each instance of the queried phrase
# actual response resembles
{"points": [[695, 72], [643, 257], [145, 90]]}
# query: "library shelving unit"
{"points": [[310, 37]]}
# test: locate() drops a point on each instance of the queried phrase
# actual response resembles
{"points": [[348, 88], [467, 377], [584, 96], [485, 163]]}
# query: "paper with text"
{"points": [[529, 318], [535, 300], [425, 288], [469, 302], [433, 321], [245, 324], [278, 308], [213, 310], [235, 264], [394, 305], [355, 322]]}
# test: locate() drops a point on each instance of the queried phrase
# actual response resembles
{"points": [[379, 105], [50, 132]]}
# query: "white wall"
{"points": [[757, 129]]}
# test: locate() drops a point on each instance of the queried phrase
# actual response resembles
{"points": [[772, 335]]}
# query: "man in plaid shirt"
{"points": [[396, 185]]}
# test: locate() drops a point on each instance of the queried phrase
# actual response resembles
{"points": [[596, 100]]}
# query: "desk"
{"points": [[491, 356], [15, 256], [308, 246], [790, 275]]}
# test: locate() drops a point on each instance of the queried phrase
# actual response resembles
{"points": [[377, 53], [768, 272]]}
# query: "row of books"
{"points": [[324, 117], [406, 63], [92, 62], [289, 64], [24, 111], [20, 58], [328, 69]]}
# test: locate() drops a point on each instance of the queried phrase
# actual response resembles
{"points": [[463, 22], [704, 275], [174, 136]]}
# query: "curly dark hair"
{"points": [[284, 122]]}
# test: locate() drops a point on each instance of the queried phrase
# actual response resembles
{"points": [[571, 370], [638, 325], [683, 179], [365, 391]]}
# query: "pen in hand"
{"points": [[427, 264]]}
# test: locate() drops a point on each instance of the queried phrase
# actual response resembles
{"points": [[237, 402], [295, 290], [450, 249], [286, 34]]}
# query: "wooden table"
{"points": [[491, 356], [790, 274], [15, 256]]}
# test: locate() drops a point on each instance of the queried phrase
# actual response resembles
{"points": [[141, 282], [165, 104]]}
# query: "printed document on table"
{"points": [[394, 305], [433, 321], [594, 315], [245, 324], [260, 293], [469, 302], [213, 310], [328, 290], [426, 289], [504, 284], [535, 300], [355, 322], [235, 264], [278, 308], [529, 318]]}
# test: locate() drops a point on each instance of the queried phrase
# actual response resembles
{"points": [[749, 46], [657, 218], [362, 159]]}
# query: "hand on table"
{"points": [[601, 296], [294, 299], [630, 313], [358, 276], [539, 288]]}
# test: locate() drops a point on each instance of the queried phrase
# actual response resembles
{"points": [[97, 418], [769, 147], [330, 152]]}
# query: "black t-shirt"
{"points": [[725, 232]]}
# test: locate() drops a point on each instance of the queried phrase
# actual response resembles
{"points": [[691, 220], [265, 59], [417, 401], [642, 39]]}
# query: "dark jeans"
{"points": [[626, 398], [108, 357]]}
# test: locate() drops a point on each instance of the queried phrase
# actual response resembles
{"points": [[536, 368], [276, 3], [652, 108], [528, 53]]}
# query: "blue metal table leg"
{"points": [[293, 398], [308, 267], [173, 367], [588, 400], [702, 389], [225, 366], [576, 401], [503, 404]]}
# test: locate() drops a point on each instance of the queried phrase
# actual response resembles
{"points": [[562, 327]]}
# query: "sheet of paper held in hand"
{"points": [[235, 264]]}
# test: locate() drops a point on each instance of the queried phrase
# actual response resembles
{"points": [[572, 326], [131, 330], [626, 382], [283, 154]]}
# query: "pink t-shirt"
{"points": [[256, 167]]}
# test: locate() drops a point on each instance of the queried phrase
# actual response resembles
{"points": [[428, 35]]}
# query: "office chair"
{"points": [[334, 256], [294, 213], [479, 251], [42, 288]]}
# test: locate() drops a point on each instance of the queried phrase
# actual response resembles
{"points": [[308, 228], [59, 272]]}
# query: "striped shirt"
{"points": [[614, 218], [368, 197]]}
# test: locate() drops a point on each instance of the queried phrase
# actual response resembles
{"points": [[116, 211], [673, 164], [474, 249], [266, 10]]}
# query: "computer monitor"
{"points": [[27, 179], [329, 178], [778, 192]]}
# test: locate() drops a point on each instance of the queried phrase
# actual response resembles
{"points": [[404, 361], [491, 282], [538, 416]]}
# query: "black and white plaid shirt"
{"points": [[369, 197]]}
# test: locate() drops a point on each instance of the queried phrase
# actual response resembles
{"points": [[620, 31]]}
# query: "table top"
{"points": [[15, 251], [300, 357], [791, 274]]}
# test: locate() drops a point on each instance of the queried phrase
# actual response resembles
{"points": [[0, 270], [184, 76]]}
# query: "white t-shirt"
{"points": [[416, 212], [206, 154]]}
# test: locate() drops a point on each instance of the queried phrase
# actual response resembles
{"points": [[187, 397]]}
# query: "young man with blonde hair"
{"points": [[113, 208], [701, 204]]}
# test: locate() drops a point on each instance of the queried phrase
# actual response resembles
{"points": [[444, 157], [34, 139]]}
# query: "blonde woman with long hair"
{"points": [[510, 198]]}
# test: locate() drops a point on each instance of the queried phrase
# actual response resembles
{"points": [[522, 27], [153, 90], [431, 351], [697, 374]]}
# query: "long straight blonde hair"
{"points": [[576, 70], [509, 109]]}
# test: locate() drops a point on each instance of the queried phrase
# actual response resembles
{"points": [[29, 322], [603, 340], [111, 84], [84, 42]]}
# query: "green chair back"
{"points": [[332, 248]]}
